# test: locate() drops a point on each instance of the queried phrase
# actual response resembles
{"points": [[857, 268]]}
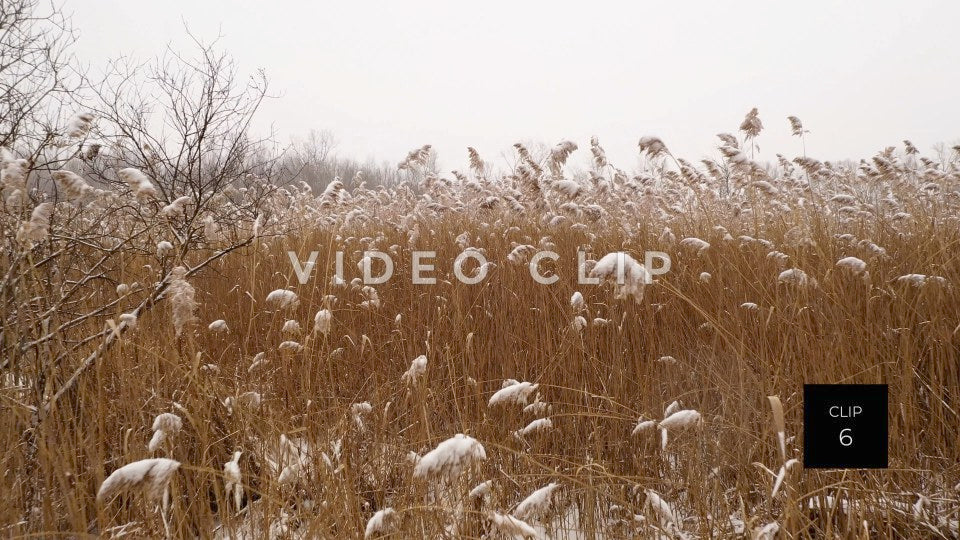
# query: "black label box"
{"points": [[845, 426]]}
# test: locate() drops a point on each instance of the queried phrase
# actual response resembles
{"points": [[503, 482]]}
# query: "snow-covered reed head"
{"points": [[291, 327], [182, 297], [537, 503], [151, 477], [512, 527], [233, 480], [71, 184], [796, 126], [796, 277], [79, 125], [164, 249], [380, 523], [321, 321], [38, 227], [652, 146], [577, 302], [629, 277], [165, 426], [283, 299], [677, 420], [450, 457], [852, 264], [418, 368], [13, 173], [139, 183], [751, 125], [513, 392], [218, 326]]}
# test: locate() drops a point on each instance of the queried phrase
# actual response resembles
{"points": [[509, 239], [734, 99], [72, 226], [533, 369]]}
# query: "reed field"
{"points": [[252, 405], [204, 334]]}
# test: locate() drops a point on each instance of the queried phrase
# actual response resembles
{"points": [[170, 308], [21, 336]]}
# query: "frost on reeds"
{"points": [[37, 227], [149, 476], [283, 299], [322, 320], [415, 158], [380, 523], [182, 297], [165, 426], [517, 392], [673, 407], [569, 188], [450, 457], [629, 277], [537, 503], [289, 460], [681, 419], [418, 368], [512, 527], [233, 482], [559, 155]]}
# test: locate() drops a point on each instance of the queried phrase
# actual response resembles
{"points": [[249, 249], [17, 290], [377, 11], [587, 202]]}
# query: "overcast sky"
{"points": [[386, 77]]}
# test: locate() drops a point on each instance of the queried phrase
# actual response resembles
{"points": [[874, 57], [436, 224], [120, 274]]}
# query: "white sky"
{"points": [[390, 76]]}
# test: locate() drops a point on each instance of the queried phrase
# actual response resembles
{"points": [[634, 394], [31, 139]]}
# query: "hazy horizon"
{"points": [[392, 77]]}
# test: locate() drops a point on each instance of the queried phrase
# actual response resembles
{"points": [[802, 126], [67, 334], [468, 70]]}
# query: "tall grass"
{"points": [[344, 463]]}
